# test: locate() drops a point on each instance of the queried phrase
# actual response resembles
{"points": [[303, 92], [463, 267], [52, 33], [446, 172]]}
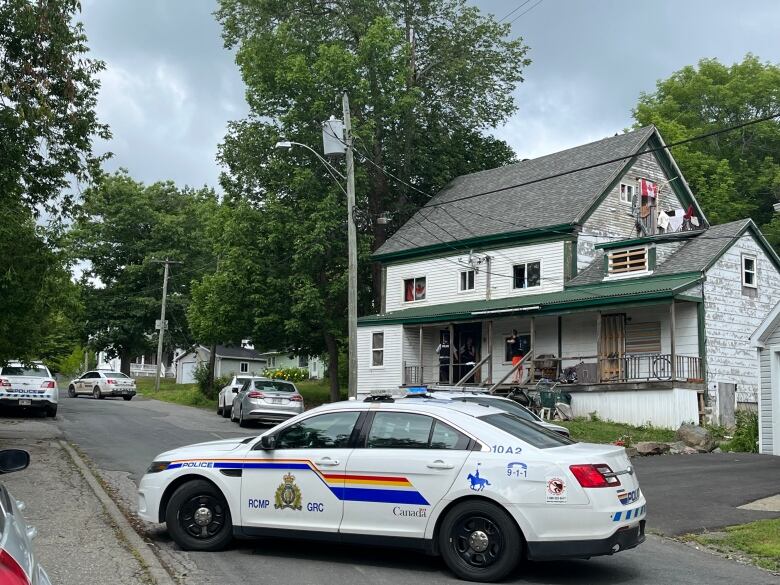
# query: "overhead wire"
{"points": [[524, 12]]}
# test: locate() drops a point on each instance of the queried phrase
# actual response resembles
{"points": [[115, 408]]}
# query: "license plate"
{"points": [[23, 402], [276, 400]]}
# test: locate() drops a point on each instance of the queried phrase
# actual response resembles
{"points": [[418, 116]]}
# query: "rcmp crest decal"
{"points": [[288, 495]]}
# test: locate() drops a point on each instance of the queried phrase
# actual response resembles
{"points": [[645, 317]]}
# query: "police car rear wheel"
{"points": [[198, 517], [72, 392], [479, 542]]}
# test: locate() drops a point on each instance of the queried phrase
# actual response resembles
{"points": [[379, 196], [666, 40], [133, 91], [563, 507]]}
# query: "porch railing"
{"points": [[438, 373], [638, 368]]}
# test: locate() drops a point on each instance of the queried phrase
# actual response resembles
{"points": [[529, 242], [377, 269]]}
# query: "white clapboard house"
{"points": [[611, 271]]}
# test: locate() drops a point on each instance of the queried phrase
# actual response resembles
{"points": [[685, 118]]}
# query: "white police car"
{"points": [[477, 485]]}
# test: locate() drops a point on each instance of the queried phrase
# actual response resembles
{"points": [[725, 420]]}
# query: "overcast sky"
{"points": [[170, 87]]}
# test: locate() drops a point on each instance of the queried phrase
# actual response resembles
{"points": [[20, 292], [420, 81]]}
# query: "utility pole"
{"points": [[161, 335], [352, 253]]}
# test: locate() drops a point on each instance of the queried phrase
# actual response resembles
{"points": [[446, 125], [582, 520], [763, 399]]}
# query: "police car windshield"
{"points": [[524, 430], [505, 405], [269, 386]]}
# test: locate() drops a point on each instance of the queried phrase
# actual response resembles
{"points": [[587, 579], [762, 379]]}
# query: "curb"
{"points": [[153, 564]]}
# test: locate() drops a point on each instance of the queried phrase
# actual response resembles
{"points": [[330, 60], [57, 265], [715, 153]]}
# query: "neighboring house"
{"points": [[230, 360], [313, 364], [141, 366], [612, 272], [767, 341]]}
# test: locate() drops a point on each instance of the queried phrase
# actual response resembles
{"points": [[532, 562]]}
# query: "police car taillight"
{"points": [[110, 381], [594, 476], [5, 383], [49, 384], [11, 572]]}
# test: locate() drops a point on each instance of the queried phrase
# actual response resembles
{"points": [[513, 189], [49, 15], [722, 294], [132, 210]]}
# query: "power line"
{"points": [[524, 12], [511, 12]]}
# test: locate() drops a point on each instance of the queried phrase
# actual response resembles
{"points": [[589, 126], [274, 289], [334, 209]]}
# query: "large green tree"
{"points": [[124, 227], [425, 79], [735, 174]]}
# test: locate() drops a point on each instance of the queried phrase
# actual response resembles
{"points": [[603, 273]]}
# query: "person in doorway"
{"points": [[468, 357], [516, 351], [443, 349]]}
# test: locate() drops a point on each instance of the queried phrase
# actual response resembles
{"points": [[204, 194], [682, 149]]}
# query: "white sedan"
{"points": [[100, 383], [479, 486], [29, 386]]}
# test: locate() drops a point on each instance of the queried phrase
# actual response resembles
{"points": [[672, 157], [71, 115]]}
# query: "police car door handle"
{"points": [[439, 464], [327, 461]]}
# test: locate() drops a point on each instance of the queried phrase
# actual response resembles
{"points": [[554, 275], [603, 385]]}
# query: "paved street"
{"points": [[123, 437]]}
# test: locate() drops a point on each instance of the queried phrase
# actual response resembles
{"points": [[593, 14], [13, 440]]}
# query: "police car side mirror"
{"points": [[268, 442]]}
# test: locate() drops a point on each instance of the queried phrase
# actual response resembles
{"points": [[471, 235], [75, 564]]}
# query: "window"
{"points": [[531, 433], [33, 371], [377, 350], [520, 346], [509, 406], [414, 289], [116, 375], [526, 275], [244, 367], [626, 193], [445, 437], [467, 280], [643, 338], [303, 361], [628, 260], [273, 386], [326, 431], [273, 361], [749, 272]]}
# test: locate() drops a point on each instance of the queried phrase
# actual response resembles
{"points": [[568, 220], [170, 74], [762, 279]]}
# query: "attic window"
{"points": [[626, 193], [627, 260], [749, 271]]}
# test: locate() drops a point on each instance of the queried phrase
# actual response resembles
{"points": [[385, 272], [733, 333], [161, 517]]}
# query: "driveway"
{"points": [[693, 493]]}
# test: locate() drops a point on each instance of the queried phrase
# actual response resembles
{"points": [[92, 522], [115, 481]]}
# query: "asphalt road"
{"points": [[123, 437]]}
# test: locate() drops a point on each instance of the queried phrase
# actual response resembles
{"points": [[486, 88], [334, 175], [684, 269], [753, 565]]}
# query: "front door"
{"points": [[468, 337], [298, 484], [406, 465], [612, 347]]}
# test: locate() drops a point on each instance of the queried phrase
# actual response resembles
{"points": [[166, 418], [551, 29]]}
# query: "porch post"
{"points": [[533, 350], [452, 352], [490, 351], [598, 345], [420, 361], [672, 329]]}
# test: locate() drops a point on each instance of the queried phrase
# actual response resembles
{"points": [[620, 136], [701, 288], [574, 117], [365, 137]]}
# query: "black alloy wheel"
{"points": [[198, 517], [479, 541], [72, 391]]}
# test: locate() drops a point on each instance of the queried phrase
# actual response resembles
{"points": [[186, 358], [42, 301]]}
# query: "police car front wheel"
{"points": [[479, 541], [198, 517]]}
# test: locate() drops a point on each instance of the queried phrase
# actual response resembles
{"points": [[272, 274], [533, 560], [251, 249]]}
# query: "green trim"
{"points": [[700, 322], [657, 239], [766, 246], [569, 260], [689, 298], [651, 258], [446, 249]]}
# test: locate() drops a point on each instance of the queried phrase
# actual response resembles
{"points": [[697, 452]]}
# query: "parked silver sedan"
{"points": [[18, 562], [265, 400]]}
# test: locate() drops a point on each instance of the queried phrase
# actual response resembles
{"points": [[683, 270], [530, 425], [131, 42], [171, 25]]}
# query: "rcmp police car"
{"points": [[479, 486]]}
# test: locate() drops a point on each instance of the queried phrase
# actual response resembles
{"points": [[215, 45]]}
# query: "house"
{"points": [[230, 360], [766, 340], [601, 260], [141, 366], [279, 359]]}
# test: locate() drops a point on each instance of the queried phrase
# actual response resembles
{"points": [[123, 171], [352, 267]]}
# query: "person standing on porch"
{"points": [[468, 356], [443, 349], [516, 351]]}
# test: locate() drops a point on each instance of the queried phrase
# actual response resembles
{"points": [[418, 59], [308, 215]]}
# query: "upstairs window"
{"points": [[627, 193], [414, 289], [526, 275], [467, 280], [749, 272], [627, 261]]}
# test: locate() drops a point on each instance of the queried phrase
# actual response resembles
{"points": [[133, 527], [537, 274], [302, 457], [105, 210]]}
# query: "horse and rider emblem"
{"points": [[477, 483], [288, 495]]}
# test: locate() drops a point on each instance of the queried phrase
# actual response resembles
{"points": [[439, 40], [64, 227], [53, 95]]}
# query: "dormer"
{"points": [[629, 260]]}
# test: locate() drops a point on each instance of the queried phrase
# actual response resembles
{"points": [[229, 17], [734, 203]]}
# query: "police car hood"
{"points": [[203, 449]]}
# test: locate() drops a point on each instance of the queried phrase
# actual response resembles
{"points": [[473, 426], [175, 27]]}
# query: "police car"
{"points": [[479, 486]]}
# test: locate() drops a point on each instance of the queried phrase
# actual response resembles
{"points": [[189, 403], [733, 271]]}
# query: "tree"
{"points": [[122, 228], [425, 80], [736, 174]]}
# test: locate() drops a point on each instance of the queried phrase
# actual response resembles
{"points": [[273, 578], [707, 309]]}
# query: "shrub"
{"points": [[201, 374], [746, 433], [289, 374]]}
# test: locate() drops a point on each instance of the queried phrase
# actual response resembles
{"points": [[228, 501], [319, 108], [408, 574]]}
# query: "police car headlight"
{"points": [[158, 466]]}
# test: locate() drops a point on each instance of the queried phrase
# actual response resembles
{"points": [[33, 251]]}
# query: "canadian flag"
{"points": [[648, 188]]}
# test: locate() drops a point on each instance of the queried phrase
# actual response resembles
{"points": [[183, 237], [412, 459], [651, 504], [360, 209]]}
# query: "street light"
{"points": [[288, 144]]}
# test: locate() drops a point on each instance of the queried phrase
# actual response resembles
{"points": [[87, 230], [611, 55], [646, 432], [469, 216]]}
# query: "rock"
{"points": [[689, 451], [696, 437], [677, 447], [651, 448], [717, 450], [631, 451]]}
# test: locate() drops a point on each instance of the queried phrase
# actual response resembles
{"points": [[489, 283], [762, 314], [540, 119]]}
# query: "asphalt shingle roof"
{"points": [[232, 351], [550, 202]]}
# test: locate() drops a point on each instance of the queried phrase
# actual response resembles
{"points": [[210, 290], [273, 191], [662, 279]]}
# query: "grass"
{"points": [[314, 392], [598, 431], [758, 540]]}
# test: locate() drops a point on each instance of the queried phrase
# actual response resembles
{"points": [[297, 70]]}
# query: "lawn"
{"points": [[758, 540], [598, 431], [314, 392]]}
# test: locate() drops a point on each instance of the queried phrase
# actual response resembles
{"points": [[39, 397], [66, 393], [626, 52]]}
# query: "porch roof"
{"points": [[615, 292]]}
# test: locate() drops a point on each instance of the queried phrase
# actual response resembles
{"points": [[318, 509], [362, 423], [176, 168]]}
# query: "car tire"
{"points": [[72, 392], [232, 413], [226, 411], [51, 412], [480, 542], [220, 409], [185, 514], [96, 393], [127, 398], [242, 422]]}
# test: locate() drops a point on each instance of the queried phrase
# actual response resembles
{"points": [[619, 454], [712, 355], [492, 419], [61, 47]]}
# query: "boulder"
{"points": [[689, 451], [677, 447], [696, 437], [651, 448], [631, 451]]}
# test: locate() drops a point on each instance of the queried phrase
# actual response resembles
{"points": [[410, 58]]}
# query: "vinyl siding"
{"points": [[389, 376], [613, 219], [442, 275], [732, 317], [768, 389]]}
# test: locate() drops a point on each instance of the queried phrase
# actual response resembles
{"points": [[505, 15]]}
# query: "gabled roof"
{"points": [[699, 252], [541, 204], [594, 295]]}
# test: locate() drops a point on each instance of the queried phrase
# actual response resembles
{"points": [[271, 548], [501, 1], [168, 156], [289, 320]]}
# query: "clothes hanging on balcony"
{"points": [[663, 220]]}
